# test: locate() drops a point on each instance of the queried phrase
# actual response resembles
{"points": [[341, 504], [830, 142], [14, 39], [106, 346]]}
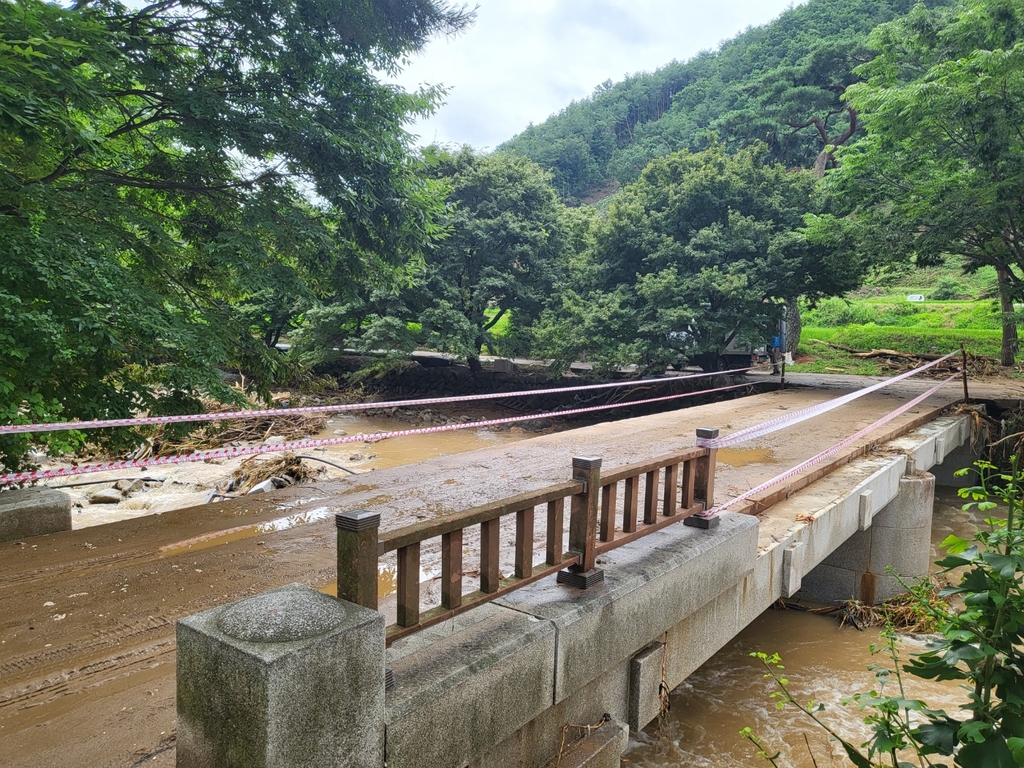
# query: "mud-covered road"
{"points": [[87, 616]]}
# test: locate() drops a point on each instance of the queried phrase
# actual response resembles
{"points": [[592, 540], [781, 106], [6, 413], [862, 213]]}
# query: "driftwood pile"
{"points": [[897, 362], [911, 613]]}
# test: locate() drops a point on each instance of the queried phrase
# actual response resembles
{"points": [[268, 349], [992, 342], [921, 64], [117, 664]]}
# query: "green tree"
{"points": [[701, 250], [504, 252], [942, 165], [162, 164]]}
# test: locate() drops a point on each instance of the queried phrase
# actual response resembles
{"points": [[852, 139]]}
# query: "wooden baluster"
{"points": [[409, 585], [651, 497], [630, 504], [668, 505], [686, 495], [357, 556], [524, 543], [451, 569], [490, 576], [556, 531], [608, 494]]}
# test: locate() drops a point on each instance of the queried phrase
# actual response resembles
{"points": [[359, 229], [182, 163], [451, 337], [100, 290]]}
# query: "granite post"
{"points": [[33, 512], [288, 678]]}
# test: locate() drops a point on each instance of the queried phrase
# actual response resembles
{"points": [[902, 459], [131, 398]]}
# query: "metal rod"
{"points": [[325, 461]]}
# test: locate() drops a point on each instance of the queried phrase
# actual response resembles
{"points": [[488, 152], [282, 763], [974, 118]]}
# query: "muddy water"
{"points": [[823, 663], [408, 449], [186, 485]]}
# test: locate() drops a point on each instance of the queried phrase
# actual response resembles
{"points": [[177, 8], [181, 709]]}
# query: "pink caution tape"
{"points": [[227, 453], [829, 452], [13, 429], [782, 422]]}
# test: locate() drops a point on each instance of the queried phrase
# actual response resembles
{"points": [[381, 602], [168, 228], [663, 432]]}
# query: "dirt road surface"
{"points": [[87, 617]]}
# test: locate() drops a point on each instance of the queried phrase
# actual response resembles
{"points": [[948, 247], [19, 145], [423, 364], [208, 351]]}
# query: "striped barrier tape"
{"points": [[227, 453], [15, 429], [782, 422], [829, 452]]}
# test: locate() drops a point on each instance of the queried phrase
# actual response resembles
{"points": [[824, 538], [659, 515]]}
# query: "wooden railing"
{"points": [[677, 485]]}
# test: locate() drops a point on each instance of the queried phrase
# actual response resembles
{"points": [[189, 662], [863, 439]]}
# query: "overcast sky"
{"points": [[523, 60]]}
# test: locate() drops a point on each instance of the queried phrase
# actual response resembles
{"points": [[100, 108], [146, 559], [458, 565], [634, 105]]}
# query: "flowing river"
{"points": [[824, 663]]}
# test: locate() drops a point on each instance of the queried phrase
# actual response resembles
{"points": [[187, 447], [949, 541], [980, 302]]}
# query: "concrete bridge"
{"points": [[493, 686], [496, 685]]}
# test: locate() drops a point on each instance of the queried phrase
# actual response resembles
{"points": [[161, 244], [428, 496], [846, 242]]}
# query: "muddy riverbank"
{"points": [[87, 626]]}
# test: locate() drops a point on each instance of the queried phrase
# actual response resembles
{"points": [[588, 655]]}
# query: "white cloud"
{"points": [[524, 60]]}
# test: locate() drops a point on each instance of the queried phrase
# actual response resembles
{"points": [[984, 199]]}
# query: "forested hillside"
{"points": [[780, 84]]}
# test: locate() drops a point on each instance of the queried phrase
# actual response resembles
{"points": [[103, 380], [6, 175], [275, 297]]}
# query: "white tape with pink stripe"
{"points": [[14, 429], [782, 422], [828, 452], [227, 453]]}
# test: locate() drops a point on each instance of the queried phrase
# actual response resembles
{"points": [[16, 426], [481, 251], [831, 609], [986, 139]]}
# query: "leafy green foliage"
{"points": [[508, 237], [979, 645], [700, 251], [178, 180], [764, 85], [940, 169]]}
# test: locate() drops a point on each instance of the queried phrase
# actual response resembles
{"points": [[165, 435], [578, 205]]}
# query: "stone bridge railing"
{"points": [[655, 493]]}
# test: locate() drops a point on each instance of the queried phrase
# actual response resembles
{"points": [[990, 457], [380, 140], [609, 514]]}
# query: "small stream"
{"points": [[823, 662]]}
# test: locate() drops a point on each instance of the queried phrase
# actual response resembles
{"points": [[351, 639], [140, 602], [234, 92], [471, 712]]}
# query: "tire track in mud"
{"points": [[99, 655], [74, 569], [93, 663], [70, 683]]}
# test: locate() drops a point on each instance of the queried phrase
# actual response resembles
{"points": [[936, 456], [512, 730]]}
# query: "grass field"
{"points": [[957, 307]]}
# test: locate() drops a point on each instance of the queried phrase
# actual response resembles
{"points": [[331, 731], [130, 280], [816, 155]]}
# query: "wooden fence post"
{"points": [[357, 556], [583, 524], [704, 481]]}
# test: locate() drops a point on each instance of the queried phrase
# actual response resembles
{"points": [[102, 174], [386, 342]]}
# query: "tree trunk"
{"points": [[1008, 353], [794, 325], [474, 360]]}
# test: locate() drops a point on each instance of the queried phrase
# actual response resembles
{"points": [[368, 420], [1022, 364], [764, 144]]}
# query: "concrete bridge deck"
{"points": [[87, 626]]}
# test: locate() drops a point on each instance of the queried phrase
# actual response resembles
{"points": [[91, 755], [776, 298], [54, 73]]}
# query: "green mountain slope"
{"points": [[767, 84]]}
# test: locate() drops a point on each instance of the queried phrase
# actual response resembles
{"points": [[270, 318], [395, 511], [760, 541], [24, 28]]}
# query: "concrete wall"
{"points": [[33, 512], [497, 685]]}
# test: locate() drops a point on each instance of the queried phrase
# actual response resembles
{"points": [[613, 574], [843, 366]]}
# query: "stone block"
{"points": [[466, 684], [912, 507], [288, 678], [599, 748], [792, 568], [31, 512], [650, 585], [645, 671], [702, 634], [539, 741], [853, 554], [865, 510], [960, 458]]}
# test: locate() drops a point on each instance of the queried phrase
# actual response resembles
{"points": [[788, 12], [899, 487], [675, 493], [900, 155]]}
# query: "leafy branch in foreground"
{"points": [[980, 645]]}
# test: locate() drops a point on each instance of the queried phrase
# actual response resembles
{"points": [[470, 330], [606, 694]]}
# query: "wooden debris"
{"points": [[896, 361], [216, 434], [256, 469]]}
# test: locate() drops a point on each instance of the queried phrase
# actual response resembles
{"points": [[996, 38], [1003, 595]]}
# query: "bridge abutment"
{"points": [[899, 535]]}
